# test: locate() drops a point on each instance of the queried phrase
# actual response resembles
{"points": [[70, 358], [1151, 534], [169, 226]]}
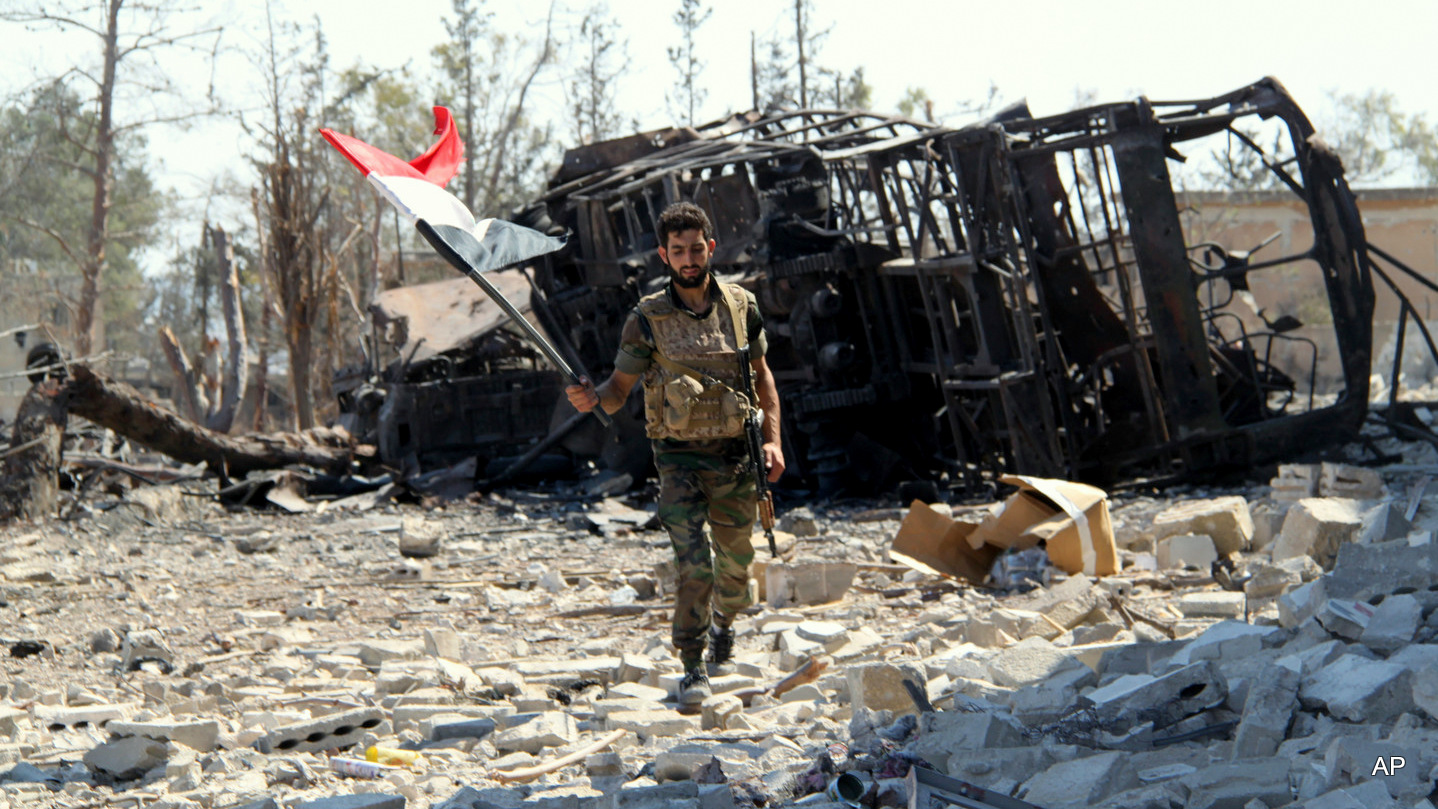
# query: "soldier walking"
{"points": [[684, 341]]}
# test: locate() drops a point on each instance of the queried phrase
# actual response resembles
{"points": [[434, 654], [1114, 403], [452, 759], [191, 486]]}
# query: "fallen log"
{"points": [[121, 408]]}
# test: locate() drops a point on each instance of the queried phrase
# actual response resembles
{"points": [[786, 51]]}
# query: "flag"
{"points": [[416, 189]]}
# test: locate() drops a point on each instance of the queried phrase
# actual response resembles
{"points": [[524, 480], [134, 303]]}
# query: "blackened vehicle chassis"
{"points": [[1020, 295]]}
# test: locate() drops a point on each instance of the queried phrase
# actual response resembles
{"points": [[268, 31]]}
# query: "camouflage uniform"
{"points": [[706, 489]]}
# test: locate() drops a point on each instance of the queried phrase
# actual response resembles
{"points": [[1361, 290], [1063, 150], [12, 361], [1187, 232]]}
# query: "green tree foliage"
{"points": [[46, 182], [1378, 141], [485, 78], [687, 95]]}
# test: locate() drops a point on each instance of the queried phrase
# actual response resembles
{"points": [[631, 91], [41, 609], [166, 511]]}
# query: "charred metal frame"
{"points": [[1014, 296]]}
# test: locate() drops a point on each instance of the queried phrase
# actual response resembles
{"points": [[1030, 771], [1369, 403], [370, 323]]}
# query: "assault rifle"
{"points": [[754, 431]]}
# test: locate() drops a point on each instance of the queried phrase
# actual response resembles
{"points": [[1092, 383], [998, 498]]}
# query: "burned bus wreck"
{"points": [[1022, 295]]}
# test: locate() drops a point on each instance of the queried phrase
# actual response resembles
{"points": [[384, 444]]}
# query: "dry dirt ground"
{"points": [[164, 608]]}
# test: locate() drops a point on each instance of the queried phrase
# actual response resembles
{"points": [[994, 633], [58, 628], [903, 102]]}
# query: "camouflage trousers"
{"points": [[707, 503]]}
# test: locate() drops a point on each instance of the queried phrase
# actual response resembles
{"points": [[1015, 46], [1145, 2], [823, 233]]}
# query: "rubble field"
{"points": [[1265, 647]]}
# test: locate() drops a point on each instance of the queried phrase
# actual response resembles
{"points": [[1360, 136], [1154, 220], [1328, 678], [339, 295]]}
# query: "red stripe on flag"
{"points": [[437, 165]]}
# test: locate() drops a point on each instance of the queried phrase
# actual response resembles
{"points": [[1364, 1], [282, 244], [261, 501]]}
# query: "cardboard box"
{"points": [[1070, 519]]}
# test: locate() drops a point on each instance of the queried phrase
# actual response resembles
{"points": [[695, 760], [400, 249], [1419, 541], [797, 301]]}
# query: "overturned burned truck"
{"points": [[1022, 295]]}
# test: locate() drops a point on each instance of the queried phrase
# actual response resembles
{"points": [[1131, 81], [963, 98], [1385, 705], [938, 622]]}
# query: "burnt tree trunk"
{"points": [[30, 481], [121, 408]]}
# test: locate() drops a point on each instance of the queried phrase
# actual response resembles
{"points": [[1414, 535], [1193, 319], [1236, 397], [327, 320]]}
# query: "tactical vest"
{"points": [[692, 387]]}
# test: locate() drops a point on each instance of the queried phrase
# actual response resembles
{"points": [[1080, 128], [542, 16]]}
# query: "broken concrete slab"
{"points": [[1318, 527], [127, 759], [1364, 571], [1383, 523], [1393, 624], [1225, 520], [1359, 690], [807, 583], [1186, 550], [1267, 712], [1302, 603], [880, 686], [199, 734], [1213, 604], [1164, 700], [532, 735], [1233, 785], [1083, 781]]}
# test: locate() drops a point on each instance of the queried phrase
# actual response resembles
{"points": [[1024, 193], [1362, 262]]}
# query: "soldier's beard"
{"points": [[689, 283]]}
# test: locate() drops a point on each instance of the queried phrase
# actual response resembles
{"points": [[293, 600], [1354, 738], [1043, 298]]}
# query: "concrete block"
{"points": [[1383, 523], [126, 759], [1295, 482], [1225, 520], [200, 734], [635, 668], [716, 711], [829, 634], [1084, 781], [1302, 603], [995, 766], [464, 729], [1137, 658], [1186, 550], [564, 672], [1163, 700], [1269, 581], [374, 653], [1028, 661], [1068, 603], [1352, 482], [1364, 571], [945, 732], [880, 686], [1393, 624], [636, 691], [443, 642], [1229, 640], [1233, 785], [1213, 604], [368, 800], [332, 732], [651, 724], [58, 717], [1345, 619], [659, 796], [1267, 712], [807, 583], [1359, 690], [1317, 527], [547, 729]]}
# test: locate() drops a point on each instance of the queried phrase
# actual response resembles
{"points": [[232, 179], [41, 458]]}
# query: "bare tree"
{"points": [[688, 94], [133, 36], [602, 60]]}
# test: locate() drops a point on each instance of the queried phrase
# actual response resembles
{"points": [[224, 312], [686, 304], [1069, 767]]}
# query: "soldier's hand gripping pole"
{"points": [[754, 432]]}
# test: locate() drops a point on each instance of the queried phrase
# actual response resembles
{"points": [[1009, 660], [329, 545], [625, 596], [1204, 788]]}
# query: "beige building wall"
{"points": [[1402, 222]]}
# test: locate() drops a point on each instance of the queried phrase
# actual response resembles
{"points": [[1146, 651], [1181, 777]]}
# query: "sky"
{"points": [[1047, 51]]}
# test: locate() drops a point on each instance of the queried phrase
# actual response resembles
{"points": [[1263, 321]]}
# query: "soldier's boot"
{"points": [[694, 688], [721, 650]]}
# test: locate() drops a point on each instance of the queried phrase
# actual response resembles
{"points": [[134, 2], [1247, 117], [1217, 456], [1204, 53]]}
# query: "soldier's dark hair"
{"points": [[683, 216]]}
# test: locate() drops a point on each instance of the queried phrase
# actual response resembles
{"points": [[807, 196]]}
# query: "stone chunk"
{"points": [[1318, 526], [807, 583], [1028, 661], [548, 729], [1393, 624], [369, 800], [717, 710], [1384, 522], [374, 653], [1345, 619], [201, 735], [1302, 603], [127, 759], [880, 686], [1224, 519], [1162, 700], [1186, 550], [1359, 690], [1231, 786], [1364, 571], [649, 724], [146, 646], [1229, 640], [1272, 699], [944, 732], [1213, 604], [1084, 781], [1267, 581]]}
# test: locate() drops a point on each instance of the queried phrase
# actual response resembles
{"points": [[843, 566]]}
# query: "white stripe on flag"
{"points": [[420, 199]]}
